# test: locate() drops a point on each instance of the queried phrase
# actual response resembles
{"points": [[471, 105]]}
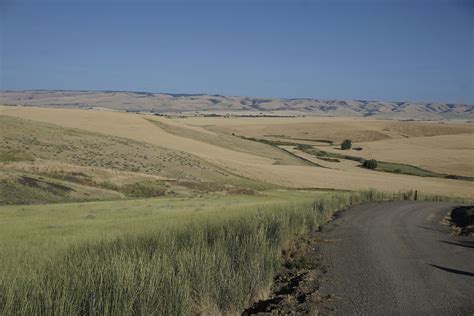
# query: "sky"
{"points": [[388, 50]]}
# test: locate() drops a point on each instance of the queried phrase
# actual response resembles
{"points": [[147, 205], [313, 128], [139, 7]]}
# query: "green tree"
{"points": [[347, 144], [370, 164]]}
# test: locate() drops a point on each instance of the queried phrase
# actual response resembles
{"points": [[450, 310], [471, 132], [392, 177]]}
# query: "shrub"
{"points": [[144, 189], [463, 215], [346, 144], [370, 164]]}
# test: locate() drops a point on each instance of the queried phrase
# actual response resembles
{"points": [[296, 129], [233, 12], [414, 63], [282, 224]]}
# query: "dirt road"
{"points": [[398, 259]]}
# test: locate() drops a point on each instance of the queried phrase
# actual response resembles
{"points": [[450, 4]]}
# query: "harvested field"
{"points": [[262, 162], [437, 146], [334, 129], [452, 154]]}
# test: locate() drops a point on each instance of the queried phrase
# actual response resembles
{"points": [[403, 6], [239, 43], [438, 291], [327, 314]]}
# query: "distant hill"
{"points": [[218, 104]]}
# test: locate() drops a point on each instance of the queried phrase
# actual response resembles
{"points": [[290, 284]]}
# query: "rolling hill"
{"points": [[188, 104], [202, 150]]}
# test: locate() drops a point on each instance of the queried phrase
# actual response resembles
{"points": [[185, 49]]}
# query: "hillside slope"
{"points": [[189, 103], [262, 165]]}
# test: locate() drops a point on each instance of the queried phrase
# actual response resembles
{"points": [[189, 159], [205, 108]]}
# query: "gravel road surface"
{"points": [[398, 258]]}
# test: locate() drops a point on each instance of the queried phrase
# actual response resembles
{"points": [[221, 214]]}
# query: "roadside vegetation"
{"points": [[155, 256]]}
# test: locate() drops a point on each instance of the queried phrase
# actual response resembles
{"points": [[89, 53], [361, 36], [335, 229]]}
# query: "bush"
{"points": [[370, 164], [144, 189], [463, 215], [347, 144]]}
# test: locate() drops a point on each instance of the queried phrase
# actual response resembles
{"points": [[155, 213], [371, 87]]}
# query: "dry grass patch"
{"points": [[83, 148], [334, 129], [224, 140], [450, 154], [77, 173]]}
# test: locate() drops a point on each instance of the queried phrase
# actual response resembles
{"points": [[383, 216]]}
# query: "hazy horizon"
{"points": [[184, 94]]}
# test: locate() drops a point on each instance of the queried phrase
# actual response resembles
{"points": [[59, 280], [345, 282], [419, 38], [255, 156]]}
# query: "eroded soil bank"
{"points": [[296, 284]]}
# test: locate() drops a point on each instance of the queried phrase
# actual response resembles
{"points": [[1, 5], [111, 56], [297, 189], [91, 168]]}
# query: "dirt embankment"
{"points": [[295, 285]]}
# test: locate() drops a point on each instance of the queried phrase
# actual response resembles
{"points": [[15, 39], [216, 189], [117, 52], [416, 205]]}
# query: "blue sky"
{"points": [[375, 50]]}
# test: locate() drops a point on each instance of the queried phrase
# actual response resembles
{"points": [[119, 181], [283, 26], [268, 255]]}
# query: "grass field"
{"points": [[167, 256]]}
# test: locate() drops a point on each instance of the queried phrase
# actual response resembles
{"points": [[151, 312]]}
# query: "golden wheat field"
{"points": [[438, 147]]}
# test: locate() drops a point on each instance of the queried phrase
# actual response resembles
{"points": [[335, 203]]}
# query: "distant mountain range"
{"points": [[219, 104]]}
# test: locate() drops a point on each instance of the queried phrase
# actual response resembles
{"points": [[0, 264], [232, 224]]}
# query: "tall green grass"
{"points": [[207, 264]]}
